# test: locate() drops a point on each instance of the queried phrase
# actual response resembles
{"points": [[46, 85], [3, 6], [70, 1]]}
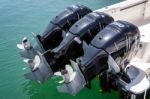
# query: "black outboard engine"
{"points": [[51, 38], [114, 41]]}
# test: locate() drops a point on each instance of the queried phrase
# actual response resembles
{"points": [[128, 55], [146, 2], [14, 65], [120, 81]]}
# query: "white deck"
{"points": [[134, 11], [145, 33]]}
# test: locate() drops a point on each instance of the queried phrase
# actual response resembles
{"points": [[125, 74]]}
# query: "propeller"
{"points": [[40, 69], [26, 60], [73, 80], [33, 63], [27, 51], [25, 44], [20, 46], [66, 74]]}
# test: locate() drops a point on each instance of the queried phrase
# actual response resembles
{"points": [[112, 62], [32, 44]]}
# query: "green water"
{"points": [[17, 19]]}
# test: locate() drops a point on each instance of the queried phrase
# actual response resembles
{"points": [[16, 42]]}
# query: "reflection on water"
{"points": [[47, 90], [37, 91]]}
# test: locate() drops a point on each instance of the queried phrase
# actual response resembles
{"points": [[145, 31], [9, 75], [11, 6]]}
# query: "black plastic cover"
{"points": [[67, 17], [116, 36], [71, 13], [90, 21]]}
